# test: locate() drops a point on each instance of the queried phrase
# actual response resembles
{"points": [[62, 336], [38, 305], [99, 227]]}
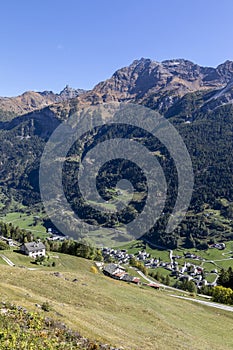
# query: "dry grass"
{"points": [[116, 312]]}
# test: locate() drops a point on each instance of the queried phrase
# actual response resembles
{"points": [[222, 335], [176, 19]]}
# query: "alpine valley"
{"points": [[197, 100]]}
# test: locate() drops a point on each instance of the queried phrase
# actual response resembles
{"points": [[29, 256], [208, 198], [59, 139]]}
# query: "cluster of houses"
{"points": [[187, 271], [190, 272], [121, 256], [56, 238], [192, 256]]}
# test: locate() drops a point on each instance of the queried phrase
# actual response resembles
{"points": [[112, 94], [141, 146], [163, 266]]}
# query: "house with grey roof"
{"points": [[112, 269], [118, 272], [33, 249]]}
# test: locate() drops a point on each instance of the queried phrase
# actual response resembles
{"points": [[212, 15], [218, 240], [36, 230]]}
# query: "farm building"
{"points": [[33, 249]]}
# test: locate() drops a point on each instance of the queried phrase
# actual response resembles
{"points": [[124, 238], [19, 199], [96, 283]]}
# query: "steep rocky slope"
{"points": [[158, 85]]}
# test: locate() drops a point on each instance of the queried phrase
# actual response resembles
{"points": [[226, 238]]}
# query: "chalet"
{"points": [[33, 249], [113, 269], [118, 272]]}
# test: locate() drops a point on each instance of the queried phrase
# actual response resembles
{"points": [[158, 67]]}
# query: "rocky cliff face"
{"points": [[159, 84], [145, 76]]}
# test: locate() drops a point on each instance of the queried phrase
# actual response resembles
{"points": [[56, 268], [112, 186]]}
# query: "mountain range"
{"points": [[197, 100], [31, 100], [157, 85]]}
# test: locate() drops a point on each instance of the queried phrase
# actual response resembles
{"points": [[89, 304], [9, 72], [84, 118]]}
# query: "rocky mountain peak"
{"points": [[145, 77], [158, 84], [69, 92]]}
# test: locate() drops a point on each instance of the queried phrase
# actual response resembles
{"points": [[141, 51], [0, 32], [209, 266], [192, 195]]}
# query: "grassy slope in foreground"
{"points": [[116, 312]]}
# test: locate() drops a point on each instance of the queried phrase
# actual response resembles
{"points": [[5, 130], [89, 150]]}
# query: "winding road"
{"points": [[203, 302], [158, 284]]}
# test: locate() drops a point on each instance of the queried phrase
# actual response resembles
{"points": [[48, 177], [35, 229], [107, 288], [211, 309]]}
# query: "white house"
{"points": [[33, 249]]}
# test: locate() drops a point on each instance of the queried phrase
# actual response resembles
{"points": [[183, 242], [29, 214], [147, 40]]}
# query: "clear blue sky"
{"points": [[46, 44]]}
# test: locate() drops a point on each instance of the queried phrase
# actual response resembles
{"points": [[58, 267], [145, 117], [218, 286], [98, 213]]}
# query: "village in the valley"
{"points": [[117, 263], [185, 270]]}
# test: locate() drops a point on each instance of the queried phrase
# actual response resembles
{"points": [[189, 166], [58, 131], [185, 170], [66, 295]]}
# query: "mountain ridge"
{"points": [[157, 85], [32, 100]]}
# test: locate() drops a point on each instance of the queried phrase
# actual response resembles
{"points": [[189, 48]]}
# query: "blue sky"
{"points": [[46, 44]]}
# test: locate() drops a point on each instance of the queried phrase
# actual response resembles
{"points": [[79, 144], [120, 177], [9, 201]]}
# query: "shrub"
{"points": [[94, 269], [46, 306], [4, 245]]}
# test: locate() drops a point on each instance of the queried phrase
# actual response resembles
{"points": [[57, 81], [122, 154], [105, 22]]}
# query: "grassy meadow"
{"points": [[115, 312], [28, 221]]}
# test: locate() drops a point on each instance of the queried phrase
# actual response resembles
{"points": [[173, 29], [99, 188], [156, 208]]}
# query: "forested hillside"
{"points": [[196, 100]]}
